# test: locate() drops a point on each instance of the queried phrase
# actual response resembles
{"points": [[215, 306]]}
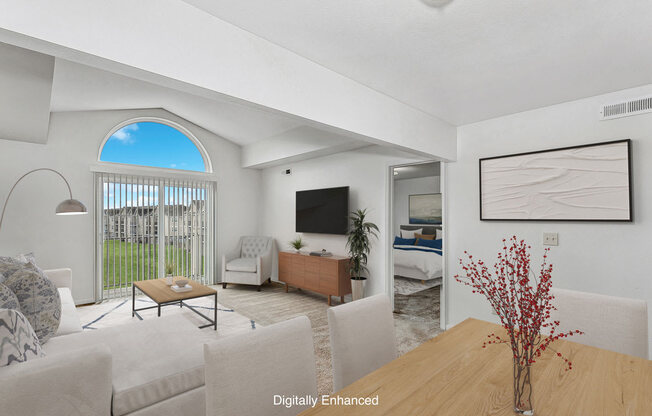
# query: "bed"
{"points": [[419, 263]]}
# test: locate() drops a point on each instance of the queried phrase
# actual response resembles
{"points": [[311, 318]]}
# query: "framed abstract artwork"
{"points": [[581, 183], [425, 209]]}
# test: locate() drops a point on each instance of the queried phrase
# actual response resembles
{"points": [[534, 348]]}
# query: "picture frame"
{"points": [[425, 209], [590, 182]]}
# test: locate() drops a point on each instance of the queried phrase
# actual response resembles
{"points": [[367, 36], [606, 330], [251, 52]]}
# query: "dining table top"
{"points": [[452, 374]]}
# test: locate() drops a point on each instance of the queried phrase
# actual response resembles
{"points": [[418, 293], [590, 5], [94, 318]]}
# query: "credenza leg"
{"points": [[286, 288], [341, 299], [329, 300]]}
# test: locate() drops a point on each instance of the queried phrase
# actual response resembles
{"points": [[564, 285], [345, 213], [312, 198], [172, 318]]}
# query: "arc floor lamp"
{"points": [[67, 207]]}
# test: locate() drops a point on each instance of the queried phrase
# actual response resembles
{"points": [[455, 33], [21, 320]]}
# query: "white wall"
{"points": [[403, 188], [72, 147], [365, 171], [606, 258]]}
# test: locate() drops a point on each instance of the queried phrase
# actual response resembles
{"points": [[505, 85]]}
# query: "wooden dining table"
{"points": [[452, 374]]}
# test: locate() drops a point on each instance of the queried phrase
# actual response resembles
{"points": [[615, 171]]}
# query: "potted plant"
{"points": [[169, 271], [359, 245], [297, 244]]}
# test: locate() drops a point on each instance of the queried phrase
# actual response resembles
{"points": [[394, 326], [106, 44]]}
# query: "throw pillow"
{"points": [[39, 301], [424, 236], [18, 342], [10, 265], [8, 299], [410, 233]]}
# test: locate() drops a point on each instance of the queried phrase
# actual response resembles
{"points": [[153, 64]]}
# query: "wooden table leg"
{"points": [[329, 300]]}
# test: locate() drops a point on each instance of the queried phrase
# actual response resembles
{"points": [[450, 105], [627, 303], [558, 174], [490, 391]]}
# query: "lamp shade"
{"points": [[71, 207]]}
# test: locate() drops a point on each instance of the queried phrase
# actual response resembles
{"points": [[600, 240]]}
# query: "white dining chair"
{"points": [[362, 338], [244, 373], [608, 322]]}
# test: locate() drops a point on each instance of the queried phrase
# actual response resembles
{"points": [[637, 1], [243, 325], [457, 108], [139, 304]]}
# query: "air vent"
{"points": [[626, 108]]}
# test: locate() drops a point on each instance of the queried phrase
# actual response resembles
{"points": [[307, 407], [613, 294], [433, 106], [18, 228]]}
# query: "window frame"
{"points": [[208, 166]]}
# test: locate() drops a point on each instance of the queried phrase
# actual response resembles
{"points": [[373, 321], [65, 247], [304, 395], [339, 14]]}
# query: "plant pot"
{"points": [[169, 280], [357, 288]]}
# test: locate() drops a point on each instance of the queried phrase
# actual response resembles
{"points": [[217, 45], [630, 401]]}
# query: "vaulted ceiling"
{"points": [[468, 60], [397, 73]]}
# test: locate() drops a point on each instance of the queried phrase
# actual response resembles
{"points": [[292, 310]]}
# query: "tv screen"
{"points": [[323, 211]]}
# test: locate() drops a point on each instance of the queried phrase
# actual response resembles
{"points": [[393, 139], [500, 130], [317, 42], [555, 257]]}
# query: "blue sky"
{"points": [[152, 144]]}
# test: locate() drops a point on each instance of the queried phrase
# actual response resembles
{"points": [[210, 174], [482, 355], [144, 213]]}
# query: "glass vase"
{"points": [[522, 390]]}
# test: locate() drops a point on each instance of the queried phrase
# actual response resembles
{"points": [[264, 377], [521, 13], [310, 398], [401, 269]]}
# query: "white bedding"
{"points": [[430, 264]]}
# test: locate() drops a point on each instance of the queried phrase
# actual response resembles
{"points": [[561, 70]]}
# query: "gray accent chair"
{"points": [[250, 263]]}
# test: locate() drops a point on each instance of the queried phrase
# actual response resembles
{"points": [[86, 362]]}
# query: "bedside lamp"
{"points": [[67, 207]]}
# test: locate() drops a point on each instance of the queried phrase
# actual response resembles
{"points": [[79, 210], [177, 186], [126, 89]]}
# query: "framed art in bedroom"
{"points": [[590, 182], [424, 209]]}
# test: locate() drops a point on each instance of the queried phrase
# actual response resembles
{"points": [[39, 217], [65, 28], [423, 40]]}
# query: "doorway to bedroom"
{"points": [[417, 261]]}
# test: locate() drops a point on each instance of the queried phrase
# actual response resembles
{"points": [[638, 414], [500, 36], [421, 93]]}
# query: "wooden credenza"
{"points": [[326, 275]]}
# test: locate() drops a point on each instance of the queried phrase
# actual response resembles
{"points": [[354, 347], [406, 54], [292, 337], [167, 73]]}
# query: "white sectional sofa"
{"points": [[151, 367]]}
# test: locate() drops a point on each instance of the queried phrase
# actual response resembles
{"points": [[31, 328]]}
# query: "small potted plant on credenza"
{"points": [[297, 244], [359, 245]]}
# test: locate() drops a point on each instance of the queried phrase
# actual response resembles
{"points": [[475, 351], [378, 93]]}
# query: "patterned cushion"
{"points": [[8, 299], [10, 265], [39, 301], [254, 246], [18, 342]]}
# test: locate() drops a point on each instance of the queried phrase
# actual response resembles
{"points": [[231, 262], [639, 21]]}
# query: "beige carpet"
{"points": [[416, 322]]}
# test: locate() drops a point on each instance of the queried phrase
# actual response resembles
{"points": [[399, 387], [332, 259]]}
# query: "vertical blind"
{"points": [[145, 223]]}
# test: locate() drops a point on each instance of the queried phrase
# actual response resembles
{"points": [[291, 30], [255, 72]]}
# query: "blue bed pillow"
{"points": [[398, 241], [430, 243]]}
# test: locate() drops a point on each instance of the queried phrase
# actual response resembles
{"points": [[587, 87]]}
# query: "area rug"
{"points": [[118, 311], [407, 286], [272, 305]]}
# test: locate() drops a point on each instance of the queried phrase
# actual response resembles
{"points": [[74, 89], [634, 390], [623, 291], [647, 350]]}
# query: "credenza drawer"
{"points": [[328, 269], [311, 280], [328, 286], [312, 264]]}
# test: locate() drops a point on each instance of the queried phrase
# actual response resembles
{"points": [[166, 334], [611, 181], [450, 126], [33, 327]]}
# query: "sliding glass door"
{"points": [[145, 223]]}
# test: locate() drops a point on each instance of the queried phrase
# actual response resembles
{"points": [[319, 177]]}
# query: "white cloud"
{"points": [[124, 134]]}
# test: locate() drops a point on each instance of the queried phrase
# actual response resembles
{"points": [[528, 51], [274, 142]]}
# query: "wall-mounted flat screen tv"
{"points": [[323, 211]]}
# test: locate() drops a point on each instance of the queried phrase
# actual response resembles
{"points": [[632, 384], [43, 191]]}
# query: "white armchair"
{"points": [[250, 263]]}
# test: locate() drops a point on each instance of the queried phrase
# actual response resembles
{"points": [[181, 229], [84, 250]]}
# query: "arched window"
{"points": [[154, 143]]}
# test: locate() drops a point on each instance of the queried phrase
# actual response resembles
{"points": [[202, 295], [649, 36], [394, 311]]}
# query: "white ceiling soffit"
{"points": [[469, 60], [421, 170], [25, 89], [174, 44], [296, 144], [83, 88]]}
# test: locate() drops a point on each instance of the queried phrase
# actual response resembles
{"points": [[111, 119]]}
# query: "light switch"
{"points": [[550, 239]]}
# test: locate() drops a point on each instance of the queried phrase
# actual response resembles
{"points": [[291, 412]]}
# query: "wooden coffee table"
{"points": [[158, 291]]}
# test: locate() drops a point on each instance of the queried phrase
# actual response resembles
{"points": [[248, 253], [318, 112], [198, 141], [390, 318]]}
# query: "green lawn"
{"points": [[131, 258]]}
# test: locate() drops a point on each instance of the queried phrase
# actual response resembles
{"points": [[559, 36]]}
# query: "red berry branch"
{"points": [[521, 300]]}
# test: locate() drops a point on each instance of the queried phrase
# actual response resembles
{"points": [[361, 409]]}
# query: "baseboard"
{"points": [[84, 302]]}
